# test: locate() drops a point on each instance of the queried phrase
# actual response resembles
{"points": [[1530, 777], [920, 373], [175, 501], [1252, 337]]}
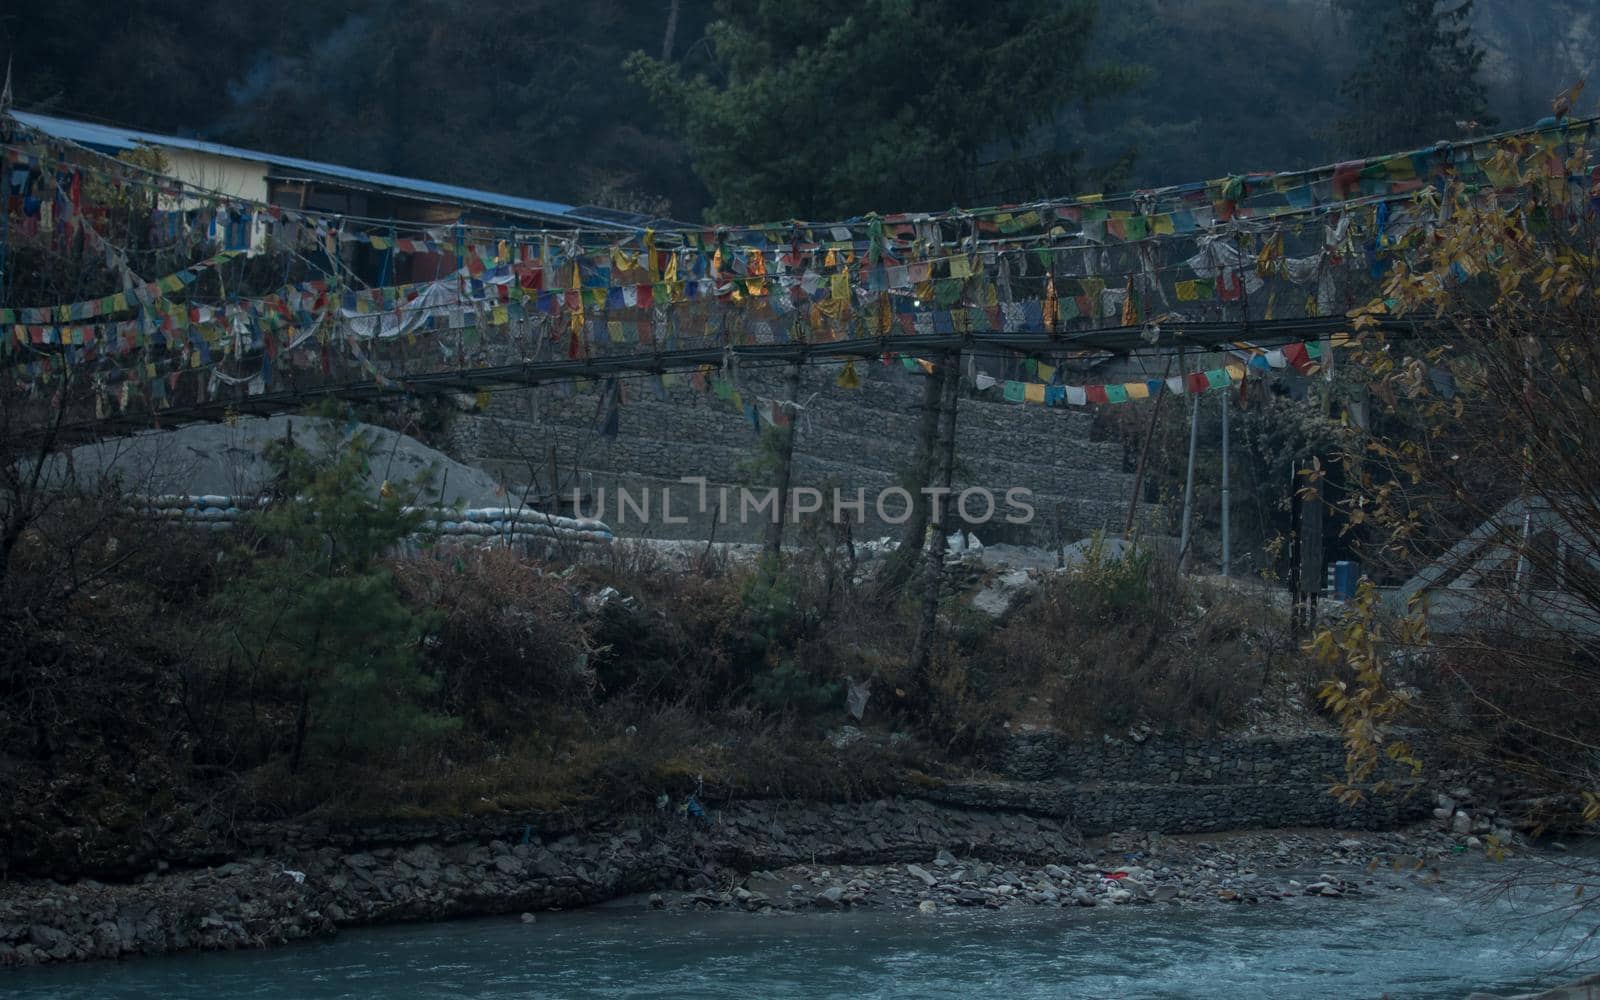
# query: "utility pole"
{"points": [[1188, 480]]}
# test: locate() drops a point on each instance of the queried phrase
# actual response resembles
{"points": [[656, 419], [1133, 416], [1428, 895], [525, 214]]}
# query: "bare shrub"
{"points": [[1122, 641], [511, 635]]}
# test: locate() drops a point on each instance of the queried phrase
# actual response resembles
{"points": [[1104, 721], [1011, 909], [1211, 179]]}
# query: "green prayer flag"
{"points": [[1218, 378], [1116, 394], [1014, 392]]}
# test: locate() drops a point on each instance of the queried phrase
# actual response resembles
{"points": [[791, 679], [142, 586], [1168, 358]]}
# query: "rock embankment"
{"points": [[757, 856], [1125, 869], [299, 892]]}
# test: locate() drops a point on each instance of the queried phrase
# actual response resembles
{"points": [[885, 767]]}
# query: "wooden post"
{"points": [[554, 502]]}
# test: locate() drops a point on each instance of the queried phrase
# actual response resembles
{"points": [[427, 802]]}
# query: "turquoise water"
{"points": [[1419, 943]]}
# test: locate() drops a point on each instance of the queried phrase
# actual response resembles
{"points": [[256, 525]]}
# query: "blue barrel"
{"points": [[1346, 575]]}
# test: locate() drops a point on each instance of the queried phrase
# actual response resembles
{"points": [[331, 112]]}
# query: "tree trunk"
{"points": [[785, 468], [1144, 454], [672, 31], [922, 651], [902, 562], [300, 720]]}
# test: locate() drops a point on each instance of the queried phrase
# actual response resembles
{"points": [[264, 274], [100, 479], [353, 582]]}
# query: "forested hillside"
{"points": [[533, 97]]}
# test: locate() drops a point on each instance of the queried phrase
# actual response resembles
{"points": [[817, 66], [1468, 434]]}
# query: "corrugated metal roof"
{"points": [[115, 138]]}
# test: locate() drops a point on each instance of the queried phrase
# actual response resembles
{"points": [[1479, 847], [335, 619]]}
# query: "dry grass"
{"points": [[1122, 643]]}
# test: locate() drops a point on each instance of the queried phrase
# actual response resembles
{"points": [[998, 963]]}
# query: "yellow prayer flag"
{"points": [[848, 379], [1236, 372], [841, 285], [1161, 225], [1032, 392], [1137, 390], [960, 266], [1401, 169], [1047, 372]]}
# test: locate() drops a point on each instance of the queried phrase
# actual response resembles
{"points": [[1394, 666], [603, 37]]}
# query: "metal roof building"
{"points": [[287, 180]]}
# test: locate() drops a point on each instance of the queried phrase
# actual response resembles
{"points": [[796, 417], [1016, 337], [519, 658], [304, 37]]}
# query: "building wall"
{"points": [[239, 178]]}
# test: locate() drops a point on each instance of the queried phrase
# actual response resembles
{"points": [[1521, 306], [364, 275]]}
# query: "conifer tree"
{"points": [[314, 607], [1417, 82]]}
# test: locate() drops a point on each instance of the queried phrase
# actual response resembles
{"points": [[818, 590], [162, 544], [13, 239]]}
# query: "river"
{"points": [[1443, 941]]}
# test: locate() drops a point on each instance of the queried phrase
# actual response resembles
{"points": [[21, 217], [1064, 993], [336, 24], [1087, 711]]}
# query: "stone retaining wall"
{"points": [[1158, 760], [856, 438], [1191, 785]]}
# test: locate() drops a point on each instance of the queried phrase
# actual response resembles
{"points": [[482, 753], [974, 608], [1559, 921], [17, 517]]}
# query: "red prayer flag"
{"points": [[1297, 357]]}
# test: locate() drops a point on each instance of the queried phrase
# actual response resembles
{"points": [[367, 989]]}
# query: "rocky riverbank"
{"points": [[1123, 869], [761, 855]]}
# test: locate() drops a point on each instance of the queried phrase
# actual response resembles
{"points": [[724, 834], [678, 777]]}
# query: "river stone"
{"points": [[922, 873], [927, 906]]}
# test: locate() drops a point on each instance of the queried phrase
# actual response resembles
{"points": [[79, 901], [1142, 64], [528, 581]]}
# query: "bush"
{"points": [[507, 636], [1122, 641], [312, 606]]}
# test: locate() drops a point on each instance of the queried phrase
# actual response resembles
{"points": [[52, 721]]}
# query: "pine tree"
{"points": [[1418, 81], [314, 607], [836, 107]]}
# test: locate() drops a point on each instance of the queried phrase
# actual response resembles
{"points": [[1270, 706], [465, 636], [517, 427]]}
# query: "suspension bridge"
{"points": [[1251, 264]]}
